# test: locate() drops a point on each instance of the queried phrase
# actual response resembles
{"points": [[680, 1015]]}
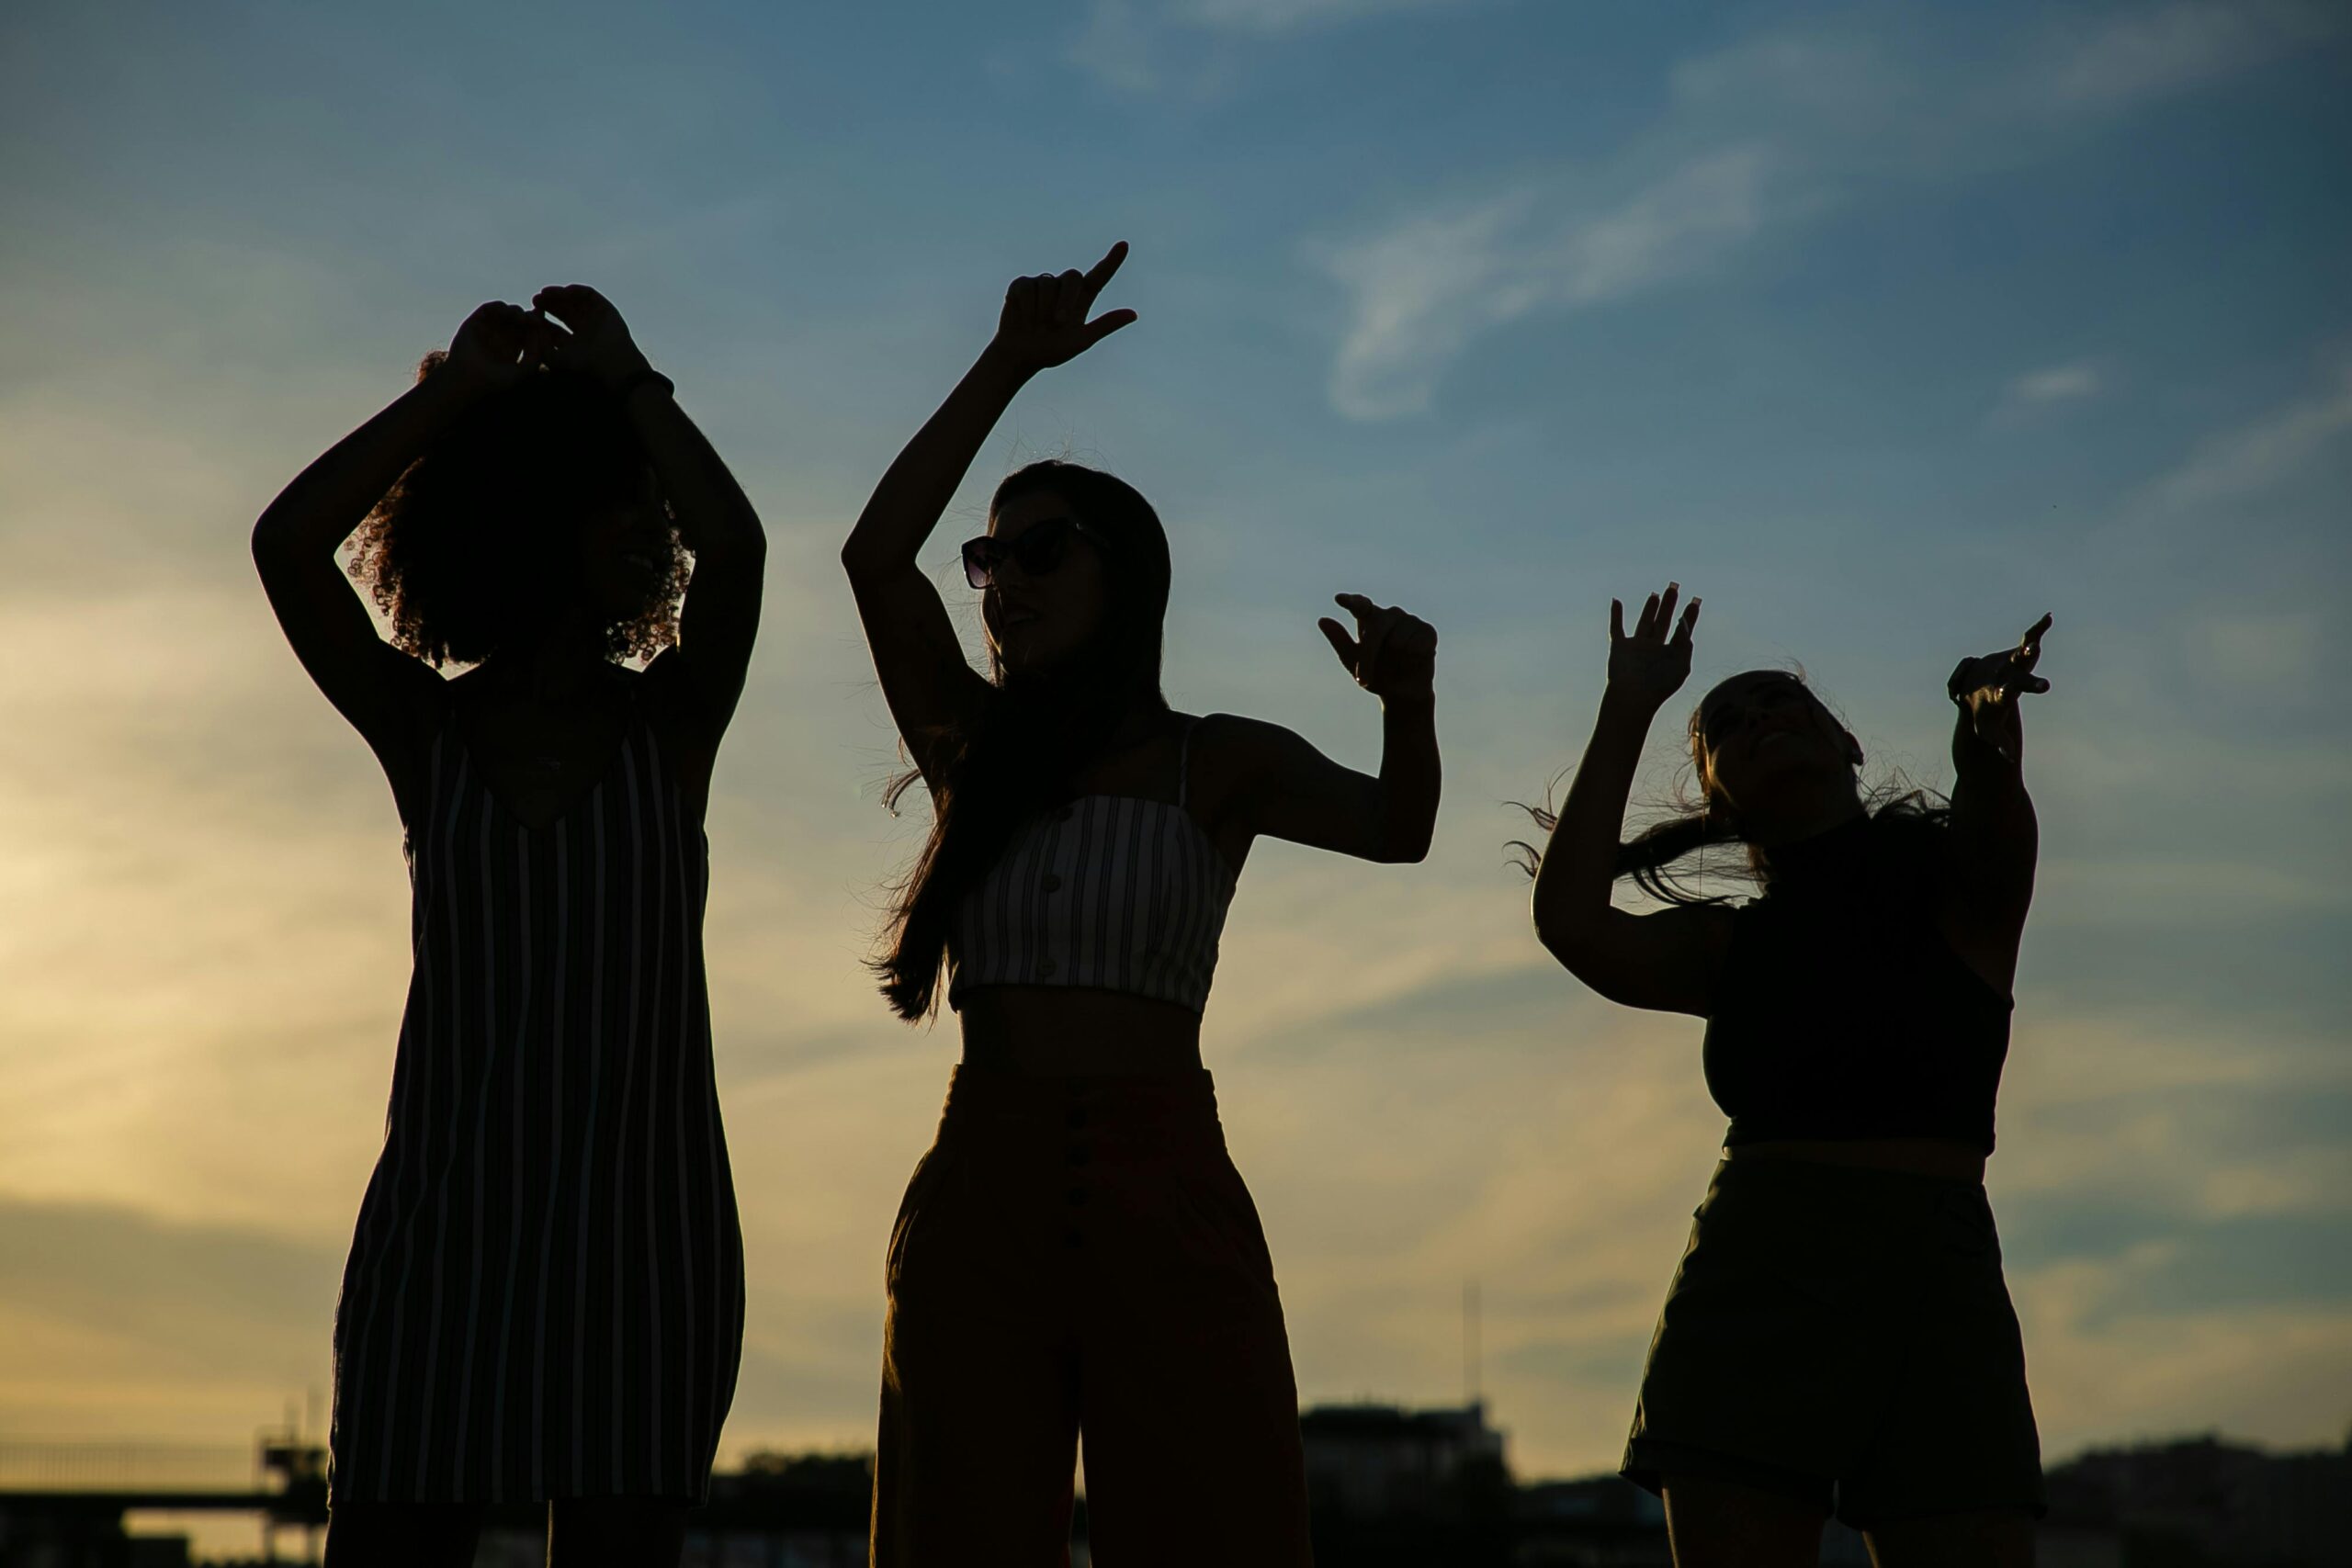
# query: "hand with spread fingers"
{"points": [[1045, 322], [1649, 666], [1392, 654], [1989, 687], [498, 345], [588, 335]]}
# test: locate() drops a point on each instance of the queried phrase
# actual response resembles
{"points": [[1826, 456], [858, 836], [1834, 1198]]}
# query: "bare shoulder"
{"points": [[1230, 742], [1226, 754]]}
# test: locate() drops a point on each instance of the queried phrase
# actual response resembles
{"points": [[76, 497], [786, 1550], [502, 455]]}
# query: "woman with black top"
{"points": [[1838, 1336], [1076, 1251], [544, 1297]]}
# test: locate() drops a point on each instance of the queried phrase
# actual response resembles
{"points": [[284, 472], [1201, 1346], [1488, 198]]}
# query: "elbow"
{"points": [[270, 545], [1570, 939], [1400, 845], [861, 560], [1407, 849]]}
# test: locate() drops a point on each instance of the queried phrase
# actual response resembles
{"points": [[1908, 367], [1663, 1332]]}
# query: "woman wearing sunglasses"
{"points": [[1838, 1336], [1076, 1252]]}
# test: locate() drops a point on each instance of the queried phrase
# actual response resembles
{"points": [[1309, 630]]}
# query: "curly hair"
{"points": [[475, 541]]}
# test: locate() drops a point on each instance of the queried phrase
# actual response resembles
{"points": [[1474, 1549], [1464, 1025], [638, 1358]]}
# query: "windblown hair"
{"points": [[474, 546], [1034, 734], [1697, 820]]}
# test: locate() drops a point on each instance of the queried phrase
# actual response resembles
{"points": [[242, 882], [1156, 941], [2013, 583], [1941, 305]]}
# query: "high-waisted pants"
{"points": [[1079, 1255]]}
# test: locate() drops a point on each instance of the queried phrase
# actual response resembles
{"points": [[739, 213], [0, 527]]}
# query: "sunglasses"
{"points": [[1039, 548]]}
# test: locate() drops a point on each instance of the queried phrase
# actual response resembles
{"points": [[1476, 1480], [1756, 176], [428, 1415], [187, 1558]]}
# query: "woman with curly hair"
{"points": [[544, 1295], [1076, 1252], [1838, 1336]]}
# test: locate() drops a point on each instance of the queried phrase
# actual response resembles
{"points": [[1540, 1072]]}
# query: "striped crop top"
{"points": [[1108, 891]]}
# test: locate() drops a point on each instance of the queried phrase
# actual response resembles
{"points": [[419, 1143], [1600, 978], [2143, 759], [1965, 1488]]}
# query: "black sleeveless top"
{"points": [[1843, 1010]]}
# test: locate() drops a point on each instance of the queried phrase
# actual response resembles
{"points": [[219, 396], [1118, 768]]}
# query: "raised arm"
{"points": [[295, 543], [931, 689], [722, 616], [1995, 838], [1284, 788], [1666, 960]]}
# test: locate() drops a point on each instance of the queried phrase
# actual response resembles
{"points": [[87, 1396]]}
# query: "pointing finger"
{"points": [[1616, 621], [1100, 272]]}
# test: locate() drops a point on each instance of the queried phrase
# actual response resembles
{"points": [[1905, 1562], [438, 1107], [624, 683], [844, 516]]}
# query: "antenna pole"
{"points": [[1470, 1368]]}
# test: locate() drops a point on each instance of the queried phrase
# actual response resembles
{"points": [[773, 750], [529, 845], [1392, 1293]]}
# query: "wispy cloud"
{"points": [[2140, 53], [2058, 384], [1117, 47], [1140, 47], [1267, 17], [1824, 115], [1419, 292], [2242, 462]]}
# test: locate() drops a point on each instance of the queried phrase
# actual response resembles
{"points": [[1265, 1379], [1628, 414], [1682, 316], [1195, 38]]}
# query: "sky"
{"points": [[1883, 328]]}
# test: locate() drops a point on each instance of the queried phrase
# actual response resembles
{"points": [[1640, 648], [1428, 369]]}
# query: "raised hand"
{"points": [[1392, 654], [587, 334], [1649, 666], [499, 344], [1989, 685], [1045, 319]]}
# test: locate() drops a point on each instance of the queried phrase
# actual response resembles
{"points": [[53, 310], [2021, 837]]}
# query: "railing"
{"points": [[114, 1465]]}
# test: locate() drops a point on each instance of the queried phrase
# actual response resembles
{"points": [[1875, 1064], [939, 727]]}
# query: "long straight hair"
{"points": [[1034, 733]]}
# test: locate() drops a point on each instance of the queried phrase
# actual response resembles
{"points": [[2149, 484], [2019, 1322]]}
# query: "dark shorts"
{"points": [[1842, 1336]]}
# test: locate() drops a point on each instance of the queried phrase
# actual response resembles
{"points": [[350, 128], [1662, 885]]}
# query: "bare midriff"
{"points": [[1946, 1157], [1074, 1032]]}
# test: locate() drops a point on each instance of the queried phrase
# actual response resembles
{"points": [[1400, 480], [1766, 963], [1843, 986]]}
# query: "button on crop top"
{"points": [[1107, 891], [1842, 1012]]}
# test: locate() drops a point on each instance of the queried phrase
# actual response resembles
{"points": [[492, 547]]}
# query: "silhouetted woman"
{"points": [[544, 1297], [1838, 1333], [1076, 1251]]}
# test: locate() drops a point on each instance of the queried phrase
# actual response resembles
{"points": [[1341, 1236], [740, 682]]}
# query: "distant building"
{"points": [[1375, 1461], [2204, 1503]]}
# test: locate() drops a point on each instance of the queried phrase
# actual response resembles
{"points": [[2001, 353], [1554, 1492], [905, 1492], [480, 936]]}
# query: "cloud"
{"points": [[2144, 53], [1117, 47], [1271, 16], [2258, 651], [2244, 462], [1140, 47], [1419, 292], [2057, 384], [112, 1319], [1765, 133]]}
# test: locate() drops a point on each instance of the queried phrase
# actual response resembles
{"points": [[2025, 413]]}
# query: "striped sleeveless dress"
{"points": [[544, 1298]]}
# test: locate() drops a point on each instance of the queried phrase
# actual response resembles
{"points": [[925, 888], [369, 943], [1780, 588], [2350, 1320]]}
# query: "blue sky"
{"points": [[1882, 329]]}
